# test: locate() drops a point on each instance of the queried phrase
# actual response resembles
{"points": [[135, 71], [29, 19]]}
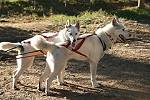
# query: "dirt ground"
{"points": [[124, 72]]}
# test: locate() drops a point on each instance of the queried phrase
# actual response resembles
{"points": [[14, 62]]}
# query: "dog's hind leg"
{"points": [[22, 64], [44, 76], [93, 69], [60, 76], [60, 79], [16, 76], [51, 67], [55, 68]]}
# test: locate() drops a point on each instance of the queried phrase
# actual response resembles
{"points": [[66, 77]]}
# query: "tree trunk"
{"points": [[140, 3], [2, 6]]}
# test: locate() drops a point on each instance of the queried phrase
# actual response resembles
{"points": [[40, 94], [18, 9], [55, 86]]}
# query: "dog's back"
{"points": [[40, 43]]}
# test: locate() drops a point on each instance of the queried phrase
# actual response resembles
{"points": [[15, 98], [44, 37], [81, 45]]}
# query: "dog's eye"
{"points": [[70, 33], [129, 35], [76, 33], [123, 29]]}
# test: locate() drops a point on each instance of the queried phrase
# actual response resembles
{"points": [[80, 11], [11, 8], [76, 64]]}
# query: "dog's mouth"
{"points": [[73, 44], [122, 38]]}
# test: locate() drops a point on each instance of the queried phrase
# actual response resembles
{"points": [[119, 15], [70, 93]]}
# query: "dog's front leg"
{"points": [[16, 76], [93, 69], [49, 82], [60, 76], [60, 79], [51, 67], [43, 77]]}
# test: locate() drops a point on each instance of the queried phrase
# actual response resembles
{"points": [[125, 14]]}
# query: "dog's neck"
{"points": [[62, 35], [107, 35], [106, 39]]}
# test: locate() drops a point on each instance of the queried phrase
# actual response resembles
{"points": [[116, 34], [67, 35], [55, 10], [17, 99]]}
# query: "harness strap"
{"points": [[79, 45], [12, 48], [26, 56], [67, 45], [76, 51], [102, 42], [83, 39], [15, 57], [47, 37], [42, 52], [32, 52]]}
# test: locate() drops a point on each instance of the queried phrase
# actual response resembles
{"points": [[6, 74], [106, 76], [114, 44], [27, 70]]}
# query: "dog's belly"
{"points": [[78, 57]]}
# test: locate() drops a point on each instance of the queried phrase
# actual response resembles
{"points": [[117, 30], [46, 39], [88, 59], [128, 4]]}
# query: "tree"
{"points": [[140, 3]]}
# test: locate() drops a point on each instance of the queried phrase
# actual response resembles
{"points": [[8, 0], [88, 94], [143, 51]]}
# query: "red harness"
{"points": [[77, 47], [48, 37]]}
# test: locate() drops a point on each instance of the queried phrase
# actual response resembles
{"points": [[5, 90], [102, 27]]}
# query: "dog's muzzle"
{"points": [[73, 43]]}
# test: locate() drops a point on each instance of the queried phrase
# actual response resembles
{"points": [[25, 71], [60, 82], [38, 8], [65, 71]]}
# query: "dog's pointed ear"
{"points": [[114, 21], [77, 25], [117, 19], [68, 24]]}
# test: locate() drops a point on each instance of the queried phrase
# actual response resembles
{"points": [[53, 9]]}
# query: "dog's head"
{"points": [[119, 31], [72, 31]]}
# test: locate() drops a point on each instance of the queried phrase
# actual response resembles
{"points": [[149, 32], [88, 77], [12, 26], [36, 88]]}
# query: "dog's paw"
{"points": [[96, 85], [47, 93], [15, 88], [61, 83], [41, 89]]}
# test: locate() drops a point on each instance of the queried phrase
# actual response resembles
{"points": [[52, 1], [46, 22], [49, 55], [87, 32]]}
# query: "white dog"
{"points": [[58, 56], [26, 57]]}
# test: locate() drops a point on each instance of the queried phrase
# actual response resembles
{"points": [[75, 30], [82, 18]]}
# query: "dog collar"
{"points": [[102, 42]]}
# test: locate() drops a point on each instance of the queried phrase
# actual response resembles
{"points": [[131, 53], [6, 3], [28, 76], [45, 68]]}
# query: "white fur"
{"points": [[70, 32], [57, 57]]}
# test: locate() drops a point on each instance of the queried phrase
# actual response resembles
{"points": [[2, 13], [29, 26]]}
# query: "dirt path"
{"points": [[124, 72]]}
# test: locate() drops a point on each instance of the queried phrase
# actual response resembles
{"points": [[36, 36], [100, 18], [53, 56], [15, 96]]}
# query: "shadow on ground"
{"points": [[74, 92], [104, 93], [10, 34]]}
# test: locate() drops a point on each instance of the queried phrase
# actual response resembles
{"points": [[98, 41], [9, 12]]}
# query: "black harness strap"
{"points": [[32, 52], [11, 49], [19, 46], [102, 42]]}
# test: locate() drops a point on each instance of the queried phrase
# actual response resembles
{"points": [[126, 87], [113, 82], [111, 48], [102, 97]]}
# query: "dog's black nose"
{"points": [[74, 40]]}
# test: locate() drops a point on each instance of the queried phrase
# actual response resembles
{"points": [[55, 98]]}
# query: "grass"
{"points": [[134, 13], [85, 17]]}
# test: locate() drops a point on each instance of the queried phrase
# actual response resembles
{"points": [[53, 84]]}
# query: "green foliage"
{"points": [[139, 14], [84, 17], [48, 7], [83, 9], [38, 7]]}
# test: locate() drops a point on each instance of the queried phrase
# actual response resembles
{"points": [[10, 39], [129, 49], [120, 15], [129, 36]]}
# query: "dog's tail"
{"points": [[7, 46], [40, 43]]}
